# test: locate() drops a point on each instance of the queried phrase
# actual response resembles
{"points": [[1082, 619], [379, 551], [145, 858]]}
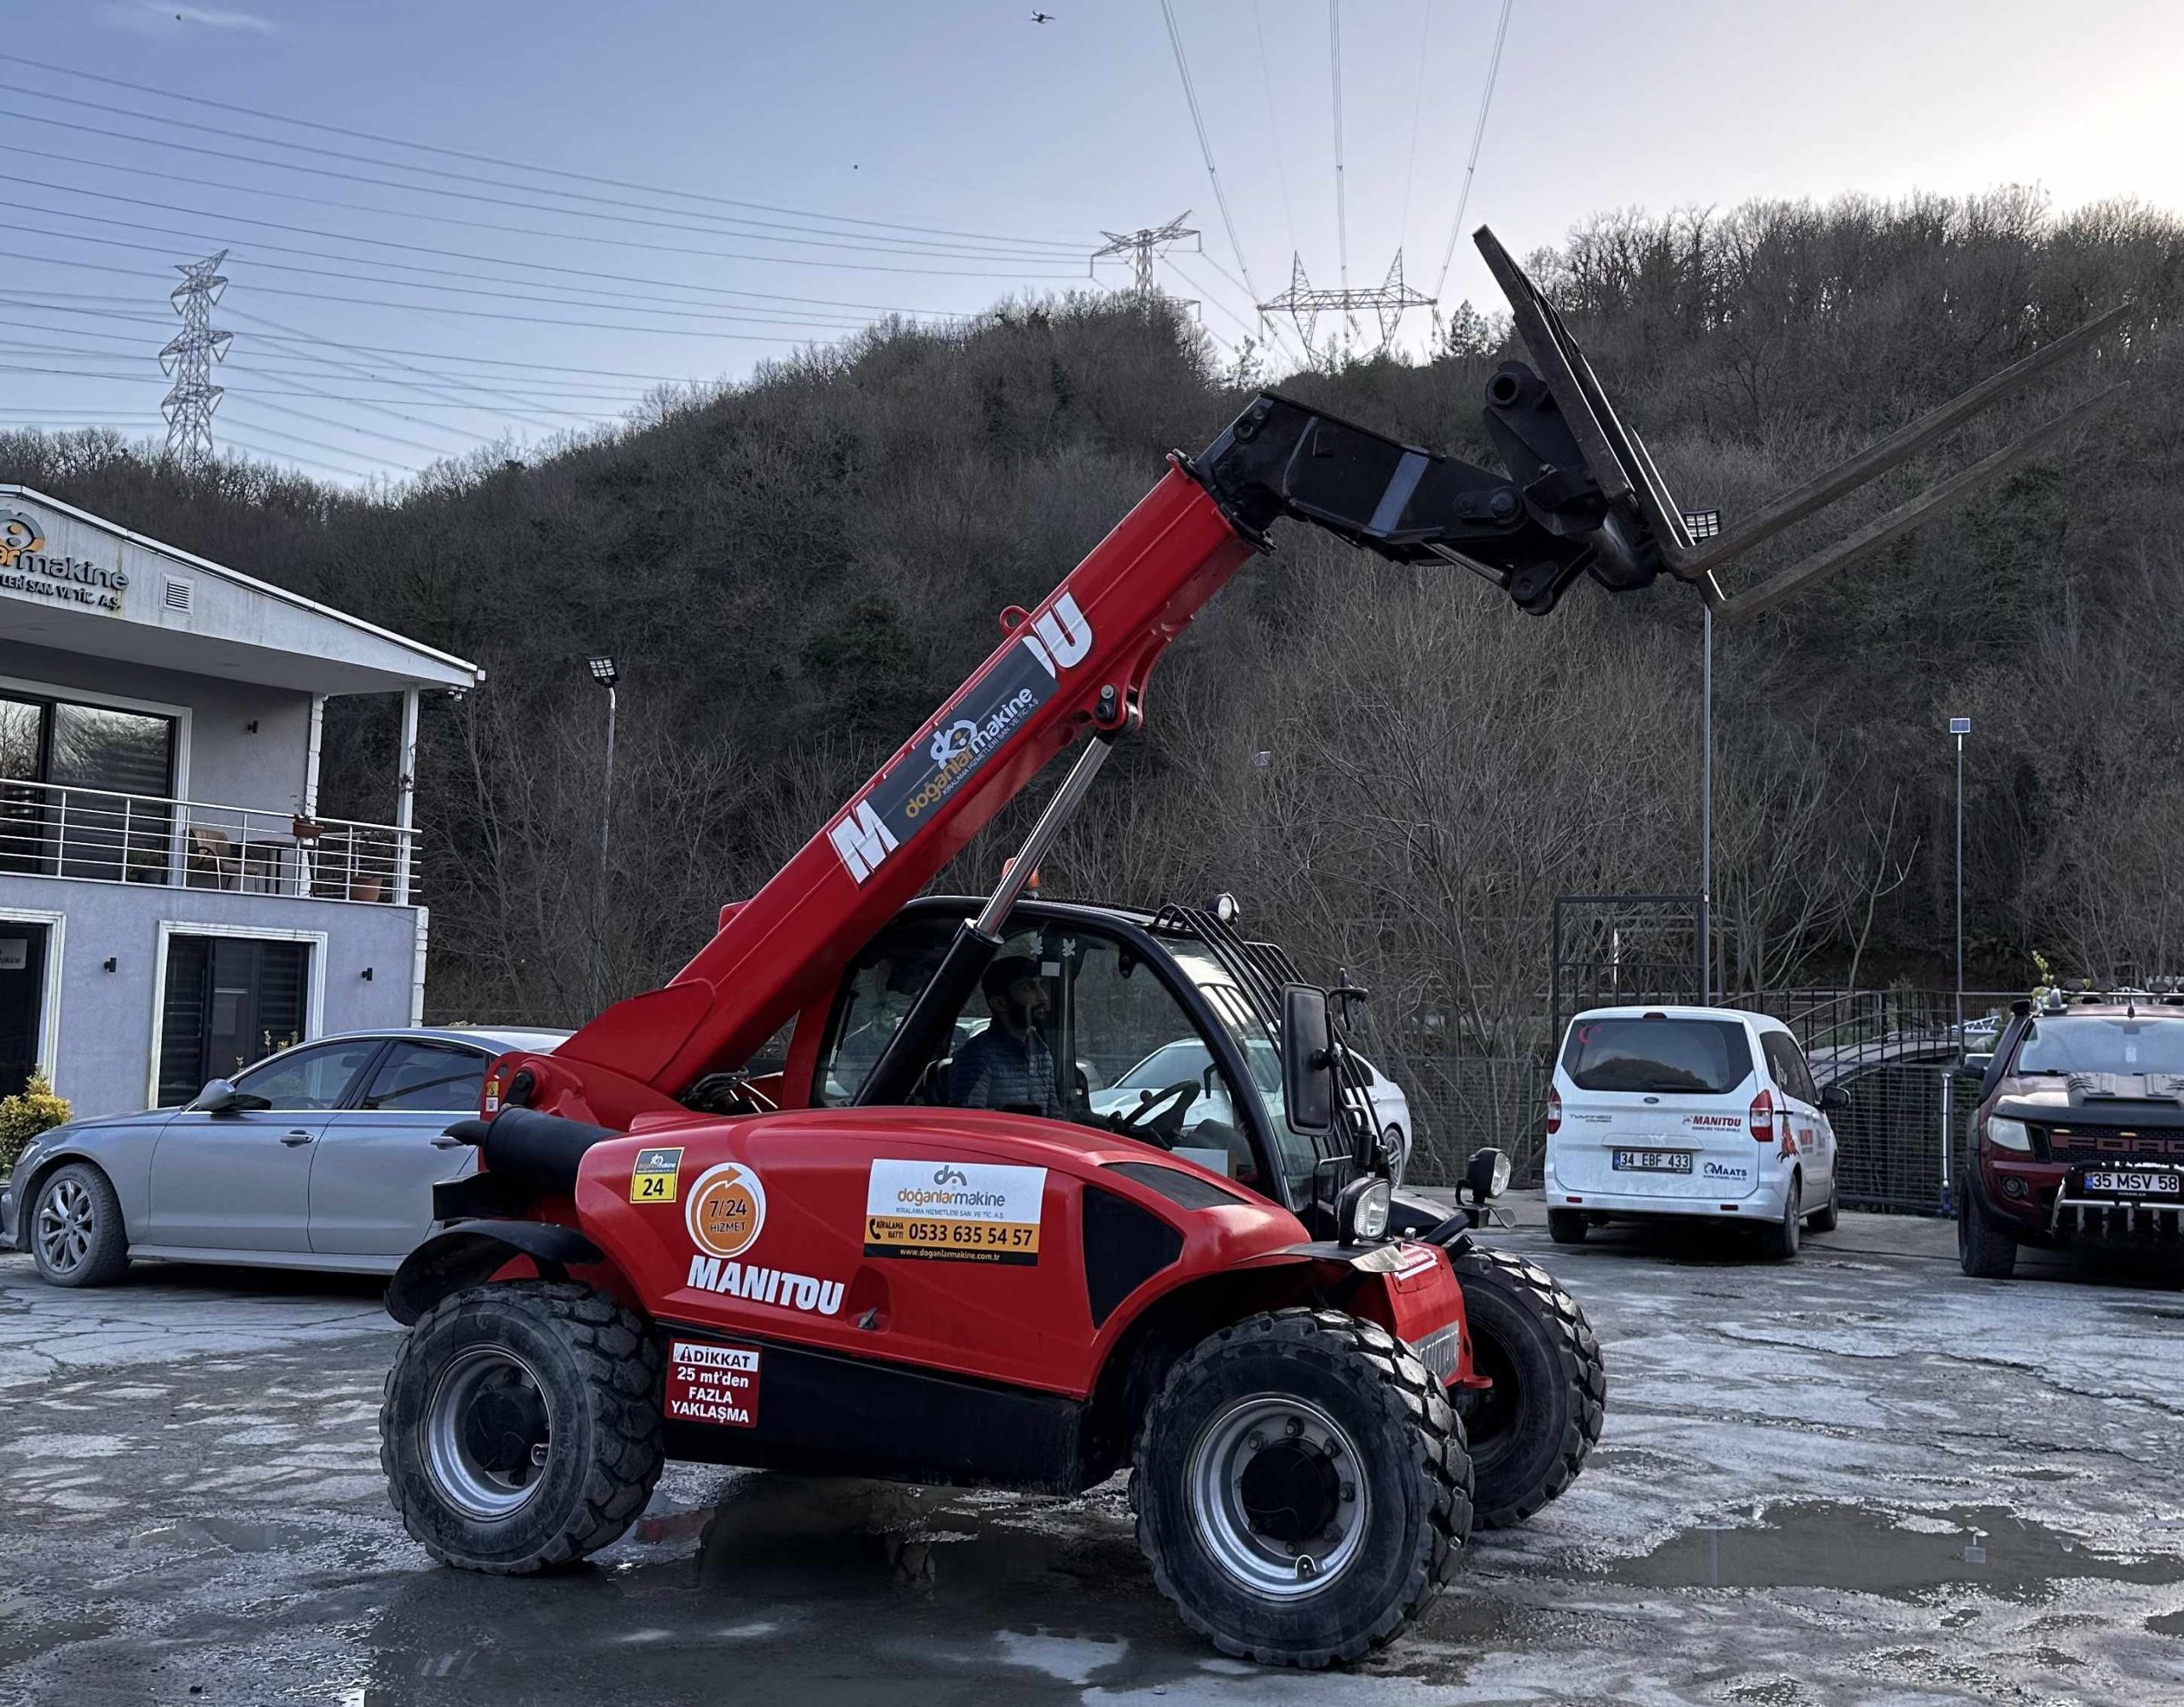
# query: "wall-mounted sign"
{"points": [[14, 953], [25, 567]]}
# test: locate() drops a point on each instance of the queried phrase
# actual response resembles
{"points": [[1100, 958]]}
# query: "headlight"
{"points": [[1361, 1215], [1487, 1174], [2008, 1134]]}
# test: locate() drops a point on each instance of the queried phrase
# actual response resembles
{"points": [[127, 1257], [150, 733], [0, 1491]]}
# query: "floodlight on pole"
{"points": [[605, 675]]}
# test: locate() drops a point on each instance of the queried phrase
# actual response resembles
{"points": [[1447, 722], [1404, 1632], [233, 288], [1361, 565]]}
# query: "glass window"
{"points": [[1700, 1056], [95, 746], [1067, 1024], [2095, 1043], [431, 1075], [310, 1079], [1786, 1061]]}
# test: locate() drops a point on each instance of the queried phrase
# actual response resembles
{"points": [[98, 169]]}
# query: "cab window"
{"points": [[1067, 1024]]}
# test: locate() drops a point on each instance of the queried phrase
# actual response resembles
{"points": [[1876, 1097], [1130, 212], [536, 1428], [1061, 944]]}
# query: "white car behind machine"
{"points": [[1688, 1111], [1187, 1057]]}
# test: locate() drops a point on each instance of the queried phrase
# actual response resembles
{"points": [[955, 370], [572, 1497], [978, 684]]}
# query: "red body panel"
{"points": [[1025, 1323], [1101, 629]]}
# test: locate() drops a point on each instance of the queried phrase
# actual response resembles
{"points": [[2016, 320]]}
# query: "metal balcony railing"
{"points": [[94, 834]]}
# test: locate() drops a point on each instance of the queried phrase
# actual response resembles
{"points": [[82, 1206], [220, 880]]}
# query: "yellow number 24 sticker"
{"points": [[653, 1179]]}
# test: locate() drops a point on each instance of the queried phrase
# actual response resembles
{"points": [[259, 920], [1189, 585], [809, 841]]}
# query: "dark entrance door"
{"points": [[229, 1000], [22, 1002]]}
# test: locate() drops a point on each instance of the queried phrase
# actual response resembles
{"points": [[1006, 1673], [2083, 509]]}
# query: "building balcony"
{"points": [[94, 835]]}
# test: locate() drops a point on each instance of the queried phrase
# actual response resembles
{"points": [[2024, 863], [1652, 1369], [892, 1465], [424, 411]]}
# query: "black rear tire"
{"points": [[1985, 1250], [1405, 1458], [1780, 1242], [1567, 1225], [1528, 1433], [1828, 1219], [78, 1238], [521, 1428]]}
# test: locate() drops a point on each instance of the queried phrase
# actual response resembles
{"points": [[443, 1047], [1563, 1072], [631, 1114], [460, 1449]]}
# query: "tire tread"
{"points": [[1578, 1353], [609, 1344], [1334, 1339]]}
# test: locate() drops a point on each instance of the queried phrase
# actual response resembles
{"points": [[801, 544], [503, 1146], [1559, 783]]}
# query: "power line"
{"points": [[525, 412], [683, 310], [1341, 213], [467, 313], [258, 248], [1274, 123], [802, 233], [473, 224], [429, 355], [1205, 147], [1477, 136], [239, 442], [512, 165], [1417, 112], [876, 246]]}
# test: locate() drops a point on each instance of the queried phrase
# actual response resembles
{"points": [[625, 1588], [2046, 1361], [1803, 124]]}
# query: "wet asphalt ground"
{"points": [[1859, 1477]]}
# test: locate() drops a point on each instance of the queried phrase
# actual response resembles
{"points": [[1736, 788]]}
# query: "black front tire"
{"points": [[1829, 1219], [1409, 1462], [1985, 1250], [78, 1237], [1529, 1432], [555, 1450], [1780, 1242], [1567, 1225]]}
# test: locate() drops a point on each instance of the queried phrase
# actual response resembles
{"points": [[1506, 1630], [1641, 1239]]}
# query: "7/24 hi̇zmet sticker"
{"points": [[954, 1211]]}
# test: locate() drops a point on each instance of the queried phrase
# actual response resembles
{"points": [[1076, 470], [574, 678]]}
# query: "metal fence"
{"points": [[1900, 1145]]}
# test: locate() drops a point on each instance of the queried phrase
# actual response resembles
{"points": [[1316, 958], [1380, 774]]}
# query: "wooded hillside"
{"points": [[795, 571]]}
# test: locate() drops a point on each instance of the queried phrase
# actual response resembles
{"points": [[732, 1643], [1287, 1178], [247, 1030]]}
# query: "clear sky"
{"points": [[929, 156]]}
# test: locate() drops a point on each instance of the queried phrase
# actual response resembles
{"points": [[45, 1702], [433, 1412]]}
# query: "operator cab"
{"points": [[1126, 1022]]}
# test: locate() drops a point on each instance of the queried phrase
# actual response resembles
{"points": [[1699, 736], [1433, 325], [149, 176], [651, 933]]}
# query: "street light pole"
{"points": [[1706, 809], [605, 675], [1960, 728]]}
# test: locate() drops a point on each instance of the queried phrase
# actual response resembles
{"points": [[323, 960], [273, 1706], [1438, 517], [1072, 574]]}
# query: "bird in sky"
{"points": [[1042, 17]]}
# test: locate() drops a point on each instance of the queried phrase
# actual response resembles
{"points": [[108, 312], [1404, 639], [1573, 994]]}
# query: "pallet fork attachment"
{"points": [[1618, 459]]}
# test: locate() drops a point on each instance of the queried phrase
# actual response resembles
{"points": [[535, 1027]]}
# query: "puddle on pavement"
{"points": [[1818, 1544], [780, 1537]]}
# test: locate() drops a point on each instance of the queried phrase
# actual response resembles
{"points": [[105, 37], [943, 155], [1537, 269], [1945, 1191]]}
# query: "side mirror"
{"points": [[1834, 1098], [1307, 1060], [221, 1097]]}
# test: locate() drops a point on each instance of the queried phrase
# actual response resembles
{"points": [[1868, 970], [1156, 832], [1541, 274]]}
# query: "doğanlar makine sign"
{"points": [[26, 568]]}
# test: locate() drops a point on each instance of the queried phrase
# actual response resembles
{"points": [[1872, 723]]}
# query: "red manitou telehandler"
{"points": [[938, 1243]]}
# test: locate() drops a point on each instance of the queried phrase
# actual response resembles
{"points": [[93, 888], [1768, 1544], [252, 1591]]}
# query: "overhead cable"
{"points": [[1477, 136]]}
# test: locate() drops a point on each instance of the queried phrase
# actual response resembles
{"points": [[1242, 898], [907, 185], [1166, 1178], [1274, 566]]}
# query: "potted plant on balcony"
{"points": [[367, 886]]}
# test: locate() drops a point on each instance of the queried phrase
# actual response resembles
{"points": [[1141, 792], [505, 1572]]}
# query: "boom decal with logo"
{"points": [[954, 1211], [992, 708]]}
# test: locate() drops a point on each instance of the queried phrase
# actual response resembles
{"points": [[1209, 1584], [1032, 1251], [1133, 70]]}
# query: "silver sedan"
{"points": [[323, 1156]]}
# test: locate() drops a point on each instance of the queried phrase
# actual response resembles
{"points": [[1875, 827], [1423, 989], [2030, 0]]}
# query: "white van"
{"points": [[1688, 1111]]}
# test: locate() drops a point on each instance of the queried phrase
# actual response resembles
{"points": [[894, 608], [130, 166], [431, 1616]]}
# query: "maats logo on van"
{"points": [[1727, 1170]]}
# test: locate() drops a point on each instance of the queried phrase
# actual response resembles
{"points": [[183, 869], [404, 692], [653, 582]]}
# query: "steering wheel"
{"points": [[1162, 1128]]}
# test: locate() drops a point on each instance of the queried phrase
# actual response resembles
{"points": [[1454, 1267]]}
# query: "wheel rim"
{"points": [[67, 1220], [1490, 1413], [1278, 1492], [488, 1429]]}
